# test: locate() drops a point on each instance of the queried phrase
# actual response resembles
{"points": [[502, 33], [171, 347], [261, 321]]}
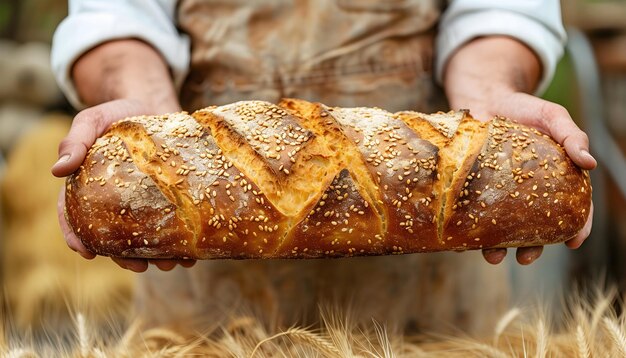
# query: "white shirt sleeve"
{"points": [[536, 23], [92, 22]]}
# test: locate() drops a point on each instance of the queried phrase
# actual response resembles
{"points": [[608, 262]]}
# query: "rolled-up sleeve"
{"points": [[92, 22], [536, 23]]}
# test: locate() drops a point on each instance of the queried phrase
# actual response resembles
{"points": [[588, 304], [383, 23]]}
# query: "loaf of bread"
{"points": [[303, 180]]}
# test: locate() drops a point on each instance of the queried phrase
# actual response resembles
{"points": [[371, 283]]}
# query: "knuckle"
{"points": [[65, 144], [92, 115], [72, 145], [552, 111], [72, 244]]}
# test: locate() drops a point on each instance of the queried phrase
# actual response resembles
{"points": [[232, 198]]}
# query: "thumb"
{"points": [[87, 126], [554, 120], [73, 148]]}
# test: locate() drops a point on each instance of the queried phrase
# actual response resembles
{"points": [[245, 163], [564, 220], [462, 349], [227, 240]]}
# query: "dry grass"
{"points": [[590, 328]]}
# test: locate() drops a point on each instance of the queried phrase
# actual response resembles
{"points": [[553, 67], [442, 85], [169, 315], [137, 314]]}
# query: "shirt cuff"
{"points": [[79, 33], [459, 30]]}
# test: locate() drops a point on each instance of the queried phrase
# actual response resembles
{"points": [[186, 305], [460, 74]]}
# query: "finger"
{"points": [[562, 128], [582, 235], [167, 265], [136, 265], [87, 126], [557, 122], [494, 256], [528, 255], [70, 238], [164, 265], [553, 120], [187, 263]]}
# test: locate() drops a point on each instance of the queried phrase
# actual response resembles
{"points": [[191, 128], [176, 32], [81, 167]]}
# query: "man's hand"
{"points": [[492, 76], [553, 120], [87, 126], [119, 79]]}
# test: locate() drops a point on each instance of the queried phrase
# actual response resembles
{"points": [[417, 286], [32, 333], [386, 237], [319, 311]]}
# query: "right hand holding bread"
{"points": [[87, 126], [256, 180]]}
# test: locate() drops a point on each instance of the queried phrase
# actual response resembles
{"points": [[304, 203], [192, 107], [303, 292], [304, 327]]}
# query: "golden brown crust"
{"points": [[303, 180], [521, 188], [116, 208]]}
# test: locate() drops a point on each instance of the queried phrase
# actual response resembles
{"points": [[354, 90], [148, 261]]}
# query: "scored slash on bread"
{"points": [[303, 180]]}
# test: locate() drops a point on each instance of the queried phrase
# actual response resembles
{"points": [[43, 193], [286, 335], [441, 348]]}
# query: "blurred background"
{"points": [[44, 283], [41, 277]]}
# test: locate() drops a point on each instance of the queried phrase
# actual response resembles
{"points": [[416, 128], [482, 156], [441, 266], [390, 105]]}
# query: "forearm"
{"points": [[125, 69], [486, 67]]}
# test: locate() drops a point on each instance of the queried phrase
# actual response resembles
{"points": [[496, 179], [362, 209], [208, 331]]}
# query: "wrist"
{"points": [[490, 67], [477, 94], [157, 102], [125, 69]]}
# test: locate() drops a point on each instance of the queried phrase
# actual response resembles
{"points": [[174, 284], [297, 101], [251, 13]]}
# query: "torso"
{"points": [[339, 52]]}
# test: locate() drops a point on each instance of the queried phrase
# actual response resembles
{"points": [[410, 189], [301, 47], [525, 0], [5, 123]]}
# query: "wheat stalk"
{"points": [[617, 335], [542, 339], [97, 353], [504, 322], [303, 336], [601, 307], [383, 340], [132, 331], [383, 343], [411, 350], [83, 336], [581, 343], [340, 327], [234, 347], [4, 323], [21, 353], [485, 348], [164, 334]]}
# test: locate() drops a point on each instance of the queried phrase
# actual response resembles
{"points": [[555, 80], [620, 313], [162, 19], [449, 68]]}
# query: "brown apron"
{"points": [[344, 53]]}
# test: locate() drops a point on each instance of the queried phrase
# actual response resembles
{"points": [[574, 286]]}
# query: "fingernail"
{"points": [[526, 260], [587, 155], [64, 159]]}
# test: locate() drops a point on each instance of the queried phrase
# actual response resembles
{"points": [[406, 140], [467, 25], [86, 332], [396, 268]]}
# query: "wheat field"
{"points": [[590, 327]]}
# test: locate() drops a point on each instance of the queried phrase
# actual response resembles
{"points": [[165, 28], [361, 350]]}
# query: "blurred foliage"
{"points": [[6, 9], [564, 89], [31, 20]]}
